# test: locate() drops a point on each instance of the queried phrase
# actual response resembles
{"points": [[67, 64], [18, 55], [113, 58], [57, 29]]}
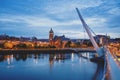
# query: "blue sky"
{"points": [[35, 17]]}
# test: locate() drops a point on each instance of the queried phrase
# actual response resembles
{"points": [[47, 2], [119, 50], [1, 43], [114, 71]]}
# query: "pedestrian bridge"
{"points": [[111, 69]]}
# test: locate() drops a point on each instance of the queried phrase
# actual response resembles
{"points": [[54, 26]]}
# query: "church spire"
{"points": [[51, 31], [51, 36]]}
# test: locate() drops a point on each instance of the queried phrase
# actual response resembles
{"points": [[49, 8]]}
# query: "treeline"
{"points": [[32, 45], [9, 45]]}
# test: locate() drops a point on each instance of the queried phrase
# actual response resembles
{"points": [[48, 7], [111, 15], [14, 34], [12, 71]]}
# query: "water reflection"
{"points": [[72, 57], [8, 58], [47, 66], [59, 57], [36, 58]]}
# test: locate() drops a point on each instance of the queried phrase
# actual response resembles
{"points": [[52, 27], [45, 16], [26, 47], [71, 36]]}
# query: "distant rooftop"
{"points": [[63, 38]]}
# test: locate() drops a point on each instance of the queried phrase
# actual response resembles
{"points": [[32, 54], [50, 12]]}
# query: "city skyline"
{"points": [[29, 18]]}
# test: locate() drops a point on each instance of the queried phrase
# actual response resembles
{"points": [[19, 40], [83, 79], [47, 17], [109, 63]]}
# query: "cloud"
{"points": [[115, 11], [59, 14], [8, 20], [111, 34], [47, 22], [72, 34], [96, 21], [114, 35], [80, 34], [37, 21], [33, 21], [63, 6]]}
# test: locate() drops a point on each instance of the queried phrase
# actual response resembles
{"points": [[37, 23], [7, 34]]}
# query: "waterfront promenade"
{"points": [[50, 50]]}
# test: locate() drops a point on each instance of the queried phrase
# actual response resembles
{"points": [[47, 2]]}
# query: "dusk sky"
{"points": [[36, 17]]}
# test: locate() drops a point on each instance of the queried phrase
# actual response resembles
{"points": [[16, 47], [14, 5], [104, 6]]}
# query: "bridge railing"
{"points": [[113, 66]]}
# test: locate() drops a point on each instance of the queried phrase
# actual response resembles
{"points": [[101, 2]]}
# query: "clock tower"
{"points": [[51, 35]]}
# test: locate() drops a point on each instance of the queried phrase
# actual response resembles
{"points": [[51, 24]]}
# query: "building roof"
{"points": [[63, 38], [44, 40]]}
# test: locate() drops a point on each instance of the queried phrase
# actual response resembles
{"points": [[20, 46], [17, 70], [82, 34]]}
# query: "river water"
{"points": [[47, 66]]}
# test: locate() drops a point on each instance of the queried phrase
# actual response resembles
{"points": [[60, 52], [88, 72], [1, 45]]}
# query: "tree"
{"points": [[78, 44], [8, 45], [89, 44], [49, 46], [2, 45], [21, 45]]}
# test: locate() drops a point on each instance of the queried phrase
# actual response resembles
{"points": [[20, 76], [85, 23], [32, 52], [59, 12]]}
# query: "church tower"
{"points": [[51, 35]]}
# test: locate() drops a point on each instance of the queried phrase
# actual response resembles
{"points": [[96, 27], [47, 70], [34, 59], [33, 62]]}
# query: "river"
{"points": [[47, 66]]}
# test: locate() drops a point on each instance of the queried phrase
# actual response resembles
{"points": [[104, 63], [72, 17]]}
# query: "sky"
{"points": [[30, 18]]}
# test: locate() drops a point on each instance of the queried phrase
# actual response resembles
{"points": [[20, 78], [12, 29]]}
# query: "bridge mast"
{"points": [[88, 31]]}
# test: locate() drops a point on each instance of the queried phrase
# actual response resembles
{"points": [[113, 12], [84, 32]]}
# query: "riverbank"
{"points": [[49, 50]]}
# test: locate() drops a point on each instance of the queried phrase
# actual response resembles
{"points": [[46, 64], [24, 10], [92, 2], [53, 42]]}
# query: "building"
{"points": [[51, 35], [57, 41], [102, 39], [60, 41]]}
